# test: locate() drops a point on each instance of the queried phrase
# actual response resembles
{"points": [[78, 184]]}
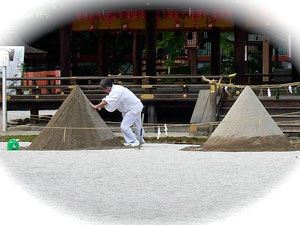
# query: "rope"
{"points": [[153, 125], [262, 86], [64, 136]]}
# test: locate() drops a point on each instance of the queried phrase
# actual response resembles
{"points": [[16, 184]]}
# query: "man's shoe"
{"points": [[135, 144], [127, 143]]}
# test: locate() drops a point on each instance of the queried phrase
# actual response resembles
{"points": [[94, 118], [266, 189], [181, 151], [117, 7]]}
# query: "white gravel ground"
{"points": [[156, 185]]}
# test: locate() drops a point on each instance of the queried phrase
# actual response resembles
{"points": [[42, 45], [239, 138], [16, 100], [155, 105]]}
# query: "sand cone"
{"points": [[75, 126], [247, 127]]}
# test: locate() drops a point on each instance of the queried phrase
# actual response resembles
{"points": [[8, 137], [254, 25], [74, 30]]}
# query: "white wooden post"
{"points": [[4, 61]]}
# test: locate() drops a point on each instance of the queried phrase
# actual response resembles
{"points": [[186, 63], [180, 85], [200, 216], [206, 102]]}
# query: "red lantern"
{"points": [[176, 19], [91, 19]]}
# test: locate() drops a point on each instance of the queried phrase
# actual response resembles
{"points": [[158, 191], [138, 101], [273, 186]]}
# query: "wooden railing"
{"points": [[150, 87]]}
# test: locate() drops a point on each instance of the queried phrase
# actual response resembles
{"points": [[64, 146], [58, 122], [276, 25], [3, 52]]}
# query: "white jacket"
{"points": [[122, 99]]}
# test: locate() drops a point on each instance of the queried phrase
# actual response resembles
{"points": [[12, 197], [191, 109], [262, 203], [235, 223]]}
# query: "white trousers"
{"points": [[132, 119]]}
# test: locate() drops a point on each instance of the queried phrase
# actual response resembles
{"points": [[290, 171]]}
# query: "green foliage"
{"points": [[254, 64], [204, 70], [24, 68], [119, 46], [25, 138], [181, 70], [171, 45], [227, 47], [90, 69]]}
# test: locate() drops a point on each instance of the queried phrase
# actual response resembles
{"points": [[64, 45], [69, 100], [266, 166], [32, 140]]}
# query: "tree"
{"points": [[227, 47], [171, 45]]}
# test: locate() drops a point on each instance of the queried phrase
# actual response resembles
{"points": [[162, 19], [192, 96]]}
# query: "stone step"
{"points": [[277, 118], [290, 127], [288, 102], [271, 110]]}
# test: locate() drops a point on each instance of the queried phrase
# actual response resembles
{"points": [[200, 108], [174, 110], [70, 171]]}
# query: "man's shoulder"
{"points": [[117, 87]]}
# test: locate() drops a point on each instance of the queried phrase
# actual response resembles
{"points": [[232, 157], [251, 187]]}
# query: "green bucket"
{"points": [[13, 145]]}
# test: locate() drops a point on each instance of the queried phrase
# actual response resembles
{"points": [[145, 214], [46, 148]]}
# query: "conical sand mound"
{"points": [[75, 126], [247, 127]]}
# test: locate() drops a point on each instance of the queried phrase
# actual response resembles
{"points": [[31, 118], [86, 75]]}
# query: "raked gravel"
{"points": [[156, 185]]}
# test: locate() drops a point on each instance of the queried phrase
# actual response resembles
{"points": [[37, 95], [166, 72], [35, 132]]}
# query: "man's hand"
{"points": [[99, 106], [92, 105]]}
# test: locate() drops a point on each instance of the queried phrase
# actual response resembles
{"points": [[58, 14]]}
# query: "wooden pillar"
{"points": [[295, 59], [240, 41], [102, 53], [271, 58], [266, 58], [276, 58], [213, 104], [151, 43], [151, 57], [34, 116], [75, 53], [65, 52], [193, 60], [137, 56], [151, 113], [215, 62], [271, 62]]}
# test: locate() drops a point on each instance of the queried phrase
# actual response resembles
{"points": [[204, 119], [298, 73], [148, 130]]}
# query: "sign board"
{"points": [[4, 57], [15, 65]]}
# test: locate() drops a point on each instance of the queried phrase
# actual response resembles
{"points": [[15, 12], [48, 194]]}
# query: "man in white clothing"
{"points": [[122, 99]]}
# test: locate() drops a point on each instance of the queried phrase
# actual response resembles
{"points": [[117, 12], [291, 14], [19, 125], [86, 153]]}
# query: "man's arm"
{"points": [[99, 106]]}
